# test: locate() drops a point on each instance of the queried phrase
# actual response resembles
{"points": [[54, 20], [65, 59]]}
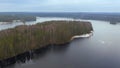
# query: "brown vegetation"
{"points": [[24, 38]]}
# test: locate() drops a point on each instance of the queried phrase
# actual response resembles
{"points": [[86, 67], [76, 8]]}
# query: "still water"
{"points": [[4, 25], [102, 50]]}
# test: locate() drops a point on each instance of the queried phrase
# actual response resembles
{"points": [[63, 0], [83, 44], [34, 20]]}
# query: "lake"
{"points": [[102, 50]]}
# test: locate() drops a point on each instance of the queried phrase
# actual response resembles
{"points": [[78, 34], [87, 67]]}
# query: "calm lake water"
{"points": [[102, 50]]}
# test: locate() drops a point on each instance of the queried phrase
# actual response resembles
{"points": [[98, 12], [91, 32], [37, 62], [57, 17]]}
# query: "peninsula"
{"points": [[23, 38]]}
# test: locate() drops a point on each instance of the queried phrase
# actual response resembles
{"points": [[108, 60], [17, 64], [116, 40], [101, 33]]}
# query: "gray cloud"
{"points": [[60, 5]]}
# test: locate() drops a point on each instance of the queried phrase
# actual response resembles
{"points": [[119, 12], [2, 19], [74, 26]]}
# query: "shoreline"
{"points": [[4, 23], [40, 33], [29, 54], [83, 35]]}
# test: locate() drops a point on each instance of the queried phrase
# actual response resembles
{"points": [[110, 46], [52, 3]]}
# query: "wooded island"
{"points": [[24, 38]]}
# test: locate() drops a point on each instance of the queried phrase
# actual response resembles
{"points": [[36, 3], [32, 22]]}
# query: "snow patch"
{"points": [[83, 36]]}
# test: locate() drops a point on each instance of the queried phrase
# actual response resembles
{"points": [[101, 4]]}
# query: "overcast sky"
{"points": [[59, 5]]}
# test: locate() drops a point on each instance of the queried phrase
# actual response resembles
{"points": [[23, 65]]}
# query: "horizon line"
{"points": [[53, 12]]}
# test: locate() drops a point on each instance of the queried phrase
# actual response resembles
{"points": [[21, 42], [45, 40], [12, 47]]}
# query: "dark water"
{"points": [[102, 50]]}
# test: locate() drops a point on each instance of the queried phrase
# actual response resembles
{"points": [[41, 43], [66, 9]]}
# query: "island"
{"points": [[25, 38]]}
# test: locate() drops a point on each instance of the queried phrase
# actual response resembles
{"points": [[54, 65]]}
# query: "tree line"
{"points": [[11, 18]]}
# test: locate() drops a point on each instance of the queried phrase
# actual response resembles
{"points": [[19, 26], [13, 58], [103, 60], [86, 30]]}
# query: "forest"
{"points": [[15, 17], [113, 18], [15, 41]]}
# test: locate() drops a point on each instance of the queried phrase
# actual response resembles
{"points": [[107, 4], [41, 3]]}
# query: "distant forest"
{"points": [[16, 17], [113, 18]]}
